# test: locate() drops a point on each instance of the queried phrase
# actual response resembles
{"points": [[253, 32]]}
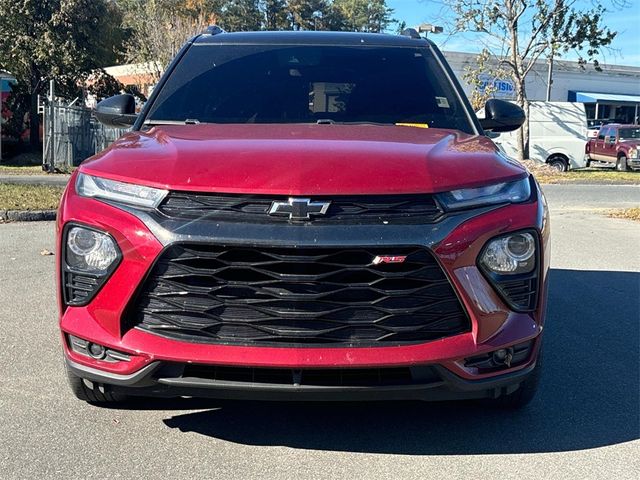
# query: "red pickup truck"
{"points": [[615, 146]]}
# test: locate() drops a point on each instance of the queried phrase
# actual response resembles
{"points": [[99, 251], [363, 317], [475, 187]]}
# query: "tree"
{"points": [[519, 32], [482, 77], [159, 28], [241, 15], [276, 15], [56, 39], [364, 15]]}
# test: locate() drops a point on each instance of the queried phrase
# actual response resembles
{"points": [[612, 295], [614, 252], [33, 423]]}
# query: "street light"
{"points": [[427, 28]]}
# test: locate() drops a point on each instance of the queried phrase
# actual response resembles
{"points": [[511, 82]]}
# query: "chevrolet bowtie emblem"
{"points": [[298, 209]]}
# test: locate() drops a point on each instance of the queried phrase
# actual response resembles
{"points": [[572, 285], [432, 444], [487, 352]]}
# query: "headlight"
{"points": [[510, 254], [511, 192], [89, 258], [90, 186], [633, 153], [511, 264], [90, 251]]}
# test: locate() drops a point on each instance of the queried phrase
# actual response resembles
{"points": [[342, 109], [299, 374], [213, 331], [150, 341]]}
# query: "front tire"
{"points": [[621, 164], [558, 163], [91, 392]]}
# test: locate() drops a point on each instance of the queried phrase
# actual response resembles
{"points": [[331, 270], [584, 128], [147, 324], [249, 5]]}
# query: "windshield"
{"points": [[629, 133], [309, 84]]}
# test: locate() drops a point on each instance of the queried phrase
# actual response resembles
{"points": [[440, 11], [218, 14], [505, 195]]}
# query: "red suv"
{"points": [[304, 216]]}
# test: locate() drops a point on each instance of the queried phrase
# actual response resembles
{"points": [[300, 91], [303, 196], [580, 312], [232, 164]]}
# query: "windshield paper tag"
{"points": [[442, 102], [417, 125]]}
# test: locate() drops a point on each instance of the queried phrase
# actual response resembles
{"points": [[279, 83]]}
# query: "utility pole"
{"points": [[550, 72], [1, 80]]}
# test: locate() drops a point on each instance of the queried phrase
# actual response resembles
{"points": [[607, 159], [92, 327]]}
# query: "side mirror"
{"points": [[118, 111], [502, 116]]}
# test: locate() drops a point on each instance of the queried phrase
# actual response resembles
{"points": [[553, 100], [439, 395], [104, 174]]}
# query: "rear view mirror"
{"points": [[502, 116], [117, 111]]}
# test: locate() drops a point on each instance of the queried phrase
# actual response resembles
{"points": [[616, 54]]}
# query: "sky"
{"points": [[625, 49]]}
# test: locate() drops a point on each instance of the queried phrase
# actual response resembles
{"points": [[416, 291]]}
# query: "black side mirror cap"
{"points": [[118, 111], [502, 116]]}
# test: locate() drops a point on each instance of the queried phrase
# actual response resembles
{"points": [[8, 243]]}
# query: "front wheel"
{"points": [[621, 164], [558, 163], [91, 392]]}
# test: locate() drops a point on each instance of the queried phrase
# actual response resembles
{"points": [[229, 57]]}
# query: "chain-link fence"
{"points": [[71, 135]]}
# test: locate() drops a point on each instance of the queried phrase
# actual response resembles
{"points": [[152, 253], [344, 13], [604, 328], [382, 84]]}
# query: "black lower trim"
{"points": [[166, 381]]}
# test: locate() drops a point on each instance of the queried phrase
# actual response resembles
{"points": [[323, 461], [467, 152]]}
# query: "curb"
{"points": [[27, 216], [45, 180]]}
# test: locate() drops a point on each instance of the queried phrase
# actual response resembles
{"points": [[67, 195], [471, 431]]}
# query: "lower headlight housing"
{"points": [[511, 263], [89, 257]]}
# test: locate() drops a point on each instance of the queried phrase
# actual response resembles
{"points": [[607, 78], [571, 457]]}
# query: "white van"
{"points": [[557, 135]]}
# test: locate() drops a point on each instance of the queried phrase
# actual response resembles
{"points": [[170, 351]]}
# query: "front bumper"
{"points": [[434, 383], [455, 241]]}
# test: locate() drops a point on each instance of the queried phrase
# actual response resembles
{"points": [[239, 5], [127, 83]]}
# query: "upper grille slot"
{"points": [[297, 296], [353, 209]]}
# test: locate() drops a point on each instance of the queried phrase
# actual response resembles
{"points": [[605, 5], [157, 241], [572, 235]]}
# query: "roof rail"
{"points": [[213, 30], [412, 33]]}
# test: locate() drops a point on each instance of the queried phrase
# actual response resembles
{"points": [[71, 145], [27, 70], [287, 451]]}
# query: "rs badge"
{"points": [[388, 259]]}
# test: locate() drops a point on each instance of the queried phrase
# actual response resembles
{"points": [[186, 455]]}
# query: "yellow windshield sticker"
{"points": [[417, 125]]}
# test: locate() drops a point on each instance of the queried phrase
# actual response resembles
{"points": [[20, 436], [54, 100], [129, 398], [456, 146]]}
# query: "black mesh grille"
{"points": [[297, 296], [342, 209], [521, 293]]}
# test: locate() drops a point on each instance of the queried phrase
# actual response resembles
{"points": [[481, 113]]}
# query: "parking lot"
{"points": [[584, 423]]}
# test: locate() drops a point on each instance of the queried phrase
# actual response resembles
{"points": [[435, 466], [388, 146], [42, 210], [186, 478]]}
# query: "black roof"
{"points": [[311, 38]]}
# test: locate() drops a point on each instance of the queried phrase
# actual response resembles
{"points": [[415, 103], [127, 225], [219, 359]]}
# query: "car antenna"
{"points": [[213, 30]]}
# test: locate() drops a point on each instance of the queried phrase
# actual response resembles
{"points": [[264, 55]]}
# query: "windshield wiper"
{"points": [[188, 121], [328, 121]]}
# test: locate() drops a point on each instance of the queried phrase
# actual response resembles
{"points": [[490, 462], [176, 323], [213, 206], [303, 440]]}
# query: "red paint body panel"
{"points": [[304, 159], [493, 324]]}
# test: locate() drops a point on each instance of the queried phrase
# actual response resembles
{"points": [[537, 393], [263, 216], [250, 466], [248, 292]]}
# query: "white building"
{"points": [[612, 95]]}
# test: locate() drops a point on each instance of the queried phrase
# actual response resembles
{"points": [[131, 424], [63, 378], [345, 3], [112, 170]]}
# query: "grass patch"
{"points": [[628, 213], [21, 170], [591, 177], [27, 163], [29, 197]]}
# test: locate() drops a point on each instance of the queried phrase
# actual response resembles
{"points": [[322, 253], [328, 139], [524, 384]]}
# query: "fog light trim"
{"points": [[83, 347]]}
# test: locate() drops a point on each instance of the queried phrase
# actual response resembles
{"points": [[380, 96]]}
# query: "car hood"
{"points": [[303, 159]]}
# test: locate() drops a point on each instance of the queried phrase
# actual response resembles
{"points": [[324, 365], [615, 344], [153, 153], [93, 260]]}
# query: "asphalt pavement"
{"points": [[584, 423]]}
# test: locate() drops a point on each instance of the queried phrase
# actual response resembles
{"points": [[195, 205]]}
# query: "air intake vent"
{"points": [[79, 288], [297, 296]]}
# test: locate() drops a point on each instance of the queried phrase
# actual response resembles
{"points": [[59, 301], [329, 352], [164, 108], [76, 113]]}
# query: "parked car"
{"points": [[304, 216], [557, 132], [615, 146]]}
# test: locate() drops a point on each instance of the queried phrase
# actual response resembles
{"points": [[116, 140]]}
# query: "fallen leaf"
{"points": [[45, 252]]}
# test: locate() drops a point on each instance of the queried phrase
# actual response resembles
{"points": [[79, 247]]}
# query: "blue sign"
{"points": [[5, 86], [501, 87]]}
